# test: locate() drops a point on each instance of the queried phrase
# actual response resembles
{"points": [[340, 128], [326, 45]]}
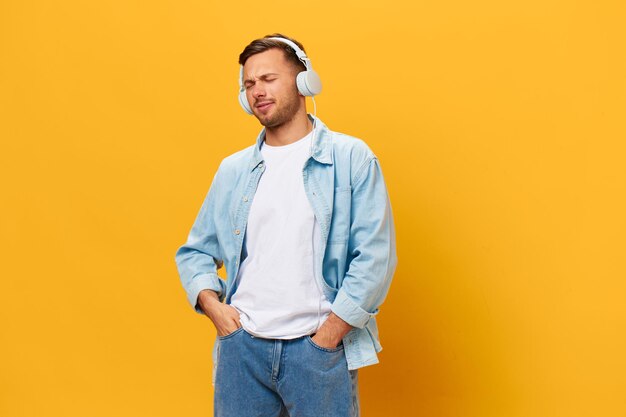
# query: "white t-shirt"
{"points": [[277, 295]]}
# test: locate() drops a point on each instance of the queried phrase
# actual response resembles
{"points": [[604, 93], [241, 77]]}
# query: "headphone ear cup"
{"points": [[309, 83], [243, 100]]}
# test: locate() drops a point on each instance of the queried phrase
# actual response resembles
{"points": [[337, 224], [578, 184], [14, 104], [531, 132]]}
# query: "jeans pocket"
{"points": [[323, 349], [229, 335]]}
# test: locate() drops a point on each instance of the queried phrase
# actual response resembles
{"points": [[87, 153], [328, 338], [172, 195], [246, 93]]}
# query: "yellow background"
{"points": [[500, 128]]}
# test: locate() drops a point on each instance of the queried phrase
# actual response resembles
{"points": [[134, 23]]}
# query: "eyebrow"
{"points": [[262, 77]]}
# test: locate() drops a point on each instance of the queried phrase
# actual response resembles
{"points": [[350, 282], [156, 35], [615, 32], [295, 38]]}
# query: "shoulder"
{"points": [[344, 144], [237, 162], [351, 152]]}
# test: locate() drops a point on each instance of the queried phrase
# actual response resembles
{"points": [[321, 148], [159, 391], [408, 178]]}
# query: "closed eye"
{"points": [[265, 78], [268, 77]]}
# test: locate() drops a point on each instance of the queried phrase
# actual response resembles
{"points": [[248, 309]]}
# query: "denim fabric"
{"points": [[274, 378], [357, 258]]}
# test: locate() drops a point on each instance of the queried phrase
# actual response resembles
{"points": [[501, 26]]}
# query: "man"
{"points": [[302, 222]]}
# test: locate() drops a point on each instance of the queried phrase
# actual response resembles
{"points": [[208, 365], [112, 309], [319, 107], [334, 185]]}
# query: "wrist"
{"points": [[207, 299], [326, 338], [333, 330]]}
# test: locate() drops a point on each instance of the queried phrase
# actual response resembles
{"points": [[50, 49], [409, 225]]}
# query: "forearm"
{"points": [[224, 317], [207, 301]]}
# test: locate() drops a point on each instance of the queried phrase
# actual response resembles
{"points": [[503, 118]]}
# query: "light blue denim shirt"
{"points": [[345, 186]]}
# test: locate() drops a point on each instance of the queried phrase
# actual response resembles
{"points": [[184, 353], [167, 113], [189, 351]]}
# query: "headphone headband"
{"points": [[299, 52]]}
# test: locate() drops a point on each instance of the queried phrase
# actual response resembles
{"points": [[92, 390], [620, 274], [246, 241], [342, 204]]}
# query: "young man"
{"points": [[302, 222]]}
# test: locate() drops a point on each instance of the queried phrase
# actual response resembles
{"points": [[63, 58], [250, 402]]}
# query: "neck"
{"points": [[289, 132]]}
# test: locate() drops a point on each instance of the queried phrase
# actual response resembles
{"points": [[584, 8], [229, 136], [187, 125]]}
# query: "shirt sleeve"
{"points": [[371, 247], [200, 257]]}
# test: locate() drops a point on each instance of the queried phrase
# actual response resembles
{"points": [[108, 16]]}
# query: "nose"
{"points": [[258, 90]]}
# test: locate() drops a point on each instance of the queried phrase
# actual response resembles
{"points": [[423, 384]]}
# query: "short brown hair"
{"points": [[263, 44]]}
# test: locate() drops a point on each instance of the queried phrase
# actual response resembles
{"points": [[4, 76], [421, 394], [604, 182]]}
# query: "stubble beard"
{"points": [[282, 114]]}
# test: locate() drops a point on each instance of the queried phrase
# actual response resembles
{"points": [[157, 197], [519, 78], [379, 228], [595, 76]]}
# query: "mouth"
{"points": [[263, 106]]}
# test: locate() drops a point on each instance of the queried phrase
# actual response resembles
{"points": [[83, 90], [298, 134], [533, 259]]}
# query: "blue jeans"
{"points": [[258, 377]]}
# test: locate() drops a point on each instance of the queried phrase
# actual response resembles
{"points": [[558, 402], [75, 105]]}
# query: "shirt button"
{"points": [[245, 199], [237, 232]]}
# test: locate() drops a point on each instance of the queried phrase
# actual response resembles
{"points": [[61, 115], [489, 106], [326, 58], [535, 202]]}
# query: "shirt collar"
{"points": [[321, 149]]}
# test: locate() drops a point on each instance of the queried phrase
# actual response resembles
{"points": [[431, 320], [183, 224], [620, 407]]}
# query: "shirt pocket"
{"points": [[340, 221]]}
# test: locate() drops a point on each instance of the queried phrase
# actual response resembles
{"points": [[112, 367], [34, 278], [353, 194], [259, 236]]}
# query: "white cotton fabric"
{"points": [[277, 294]]}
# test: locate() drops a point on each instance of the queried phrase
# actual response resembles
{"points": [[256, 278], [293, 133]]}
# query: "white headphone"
{"points": [[308, 82]]}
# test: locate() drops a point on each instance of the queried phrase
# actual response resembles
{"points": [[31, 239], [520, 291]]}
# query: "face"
{"points": [[270, 82]]}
